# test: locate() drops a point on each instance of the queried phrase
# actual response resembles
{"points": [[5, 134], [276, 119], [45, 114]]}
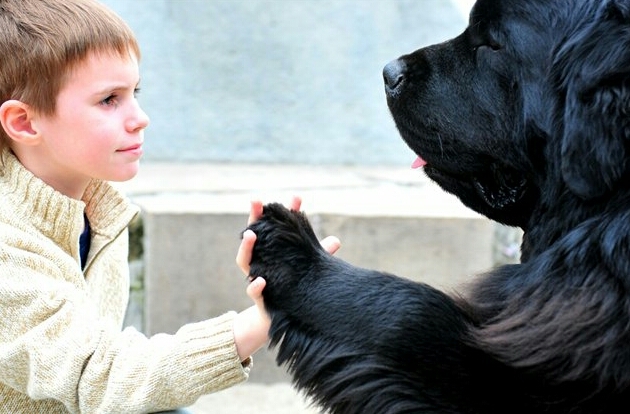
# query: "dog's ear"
{"points": [[593, 70]]}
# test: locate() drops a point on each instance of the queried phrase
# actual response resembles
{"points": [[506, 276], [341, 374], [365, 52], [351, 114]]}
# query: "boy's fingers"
{"points": [[255, 211], [255, 288], [331, 244], [256, 208], [244, 254], [296, 203]]}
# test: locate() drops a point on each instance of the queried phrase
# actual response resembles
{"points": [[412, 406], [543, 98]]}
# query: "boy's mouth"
{"points": [[131, 148]]}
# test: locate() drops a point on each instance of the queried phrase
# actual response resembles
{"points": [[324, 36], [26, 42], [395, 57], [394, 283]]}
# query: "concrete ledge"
{"points": [[228, 188], [392, 219]]}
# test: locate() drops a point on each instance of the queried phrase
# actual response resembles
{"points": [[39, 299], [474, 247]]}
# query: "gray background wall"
{"points": [[277, 81]]}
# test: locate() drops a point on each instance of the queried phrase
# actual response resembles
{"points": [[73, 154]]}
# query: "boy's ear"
{"points": [[16, 120]]}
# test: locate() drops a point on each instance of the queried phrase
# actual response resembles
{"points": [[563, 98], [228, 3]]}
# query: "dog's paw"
{"points": [[285, 251]]}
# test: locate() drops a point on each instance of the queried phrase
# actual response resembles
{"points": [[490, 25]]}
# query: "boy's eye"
{"points": [[114, 99], [110, 100]]}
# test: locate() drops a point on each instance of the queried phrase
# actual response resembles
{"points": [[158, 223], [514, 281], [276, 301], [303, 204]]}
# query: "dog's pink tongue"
{"points": [[418, 163]]}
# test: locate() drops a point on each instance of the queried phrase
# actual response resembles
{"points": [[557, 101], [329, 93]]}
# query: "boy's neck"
{"points": [[74, 186]]}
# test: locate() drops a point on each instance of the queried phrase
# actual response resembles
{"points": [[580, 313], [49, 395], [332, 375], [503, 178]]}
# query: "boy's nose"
{"points": [[139, 121]]}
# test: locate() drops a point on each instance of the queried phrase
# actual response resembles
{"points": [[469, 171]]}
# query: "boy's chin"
{"points": [[125, 173]]}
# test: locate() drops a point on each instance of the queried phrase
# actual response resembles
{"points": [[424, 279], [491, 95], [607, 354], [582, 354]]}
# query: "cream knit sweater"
{"points": [[62, 346]]}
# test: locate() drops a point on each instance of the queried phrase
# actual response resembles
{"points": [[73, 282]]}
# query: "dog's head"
{"points": [[532, 100]]}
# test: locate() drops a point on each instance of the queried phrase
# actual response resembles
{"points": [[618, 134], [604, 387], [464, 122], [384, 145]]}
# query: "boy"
{"points": [[70, 123]]}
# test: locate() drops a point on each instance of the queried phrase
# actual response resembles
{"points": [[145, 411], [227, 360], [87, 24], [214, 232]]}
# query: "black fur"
{"points": [[526, 118]]}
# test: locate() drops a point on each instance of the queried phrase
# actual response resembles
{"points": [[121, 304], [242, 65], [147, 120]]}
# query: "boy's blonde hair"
{"points": [[41, 41]]}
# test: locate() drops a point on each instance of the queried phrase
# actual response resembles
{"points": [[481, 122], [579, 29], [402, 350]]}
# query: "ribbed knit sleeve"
{"points": [[135, 374]]}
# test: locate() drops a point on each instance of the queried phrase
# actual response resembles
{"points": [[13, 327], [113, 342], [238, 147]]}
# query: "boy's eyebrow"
{"points": [[116, 87]]}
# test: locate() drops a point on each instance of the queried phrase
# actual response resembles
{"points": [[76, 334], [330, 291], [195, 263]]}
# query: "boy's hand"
{"points": [[244, 255], [252, 325]]}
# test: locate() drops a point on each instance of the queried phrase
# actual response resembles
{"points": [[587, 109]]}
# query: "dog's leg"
{"points": [[361, 341]]}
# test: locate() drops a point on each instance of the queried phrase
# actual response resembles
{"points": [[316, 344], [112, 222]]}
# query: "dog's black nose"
{"points": [[394, 75]]}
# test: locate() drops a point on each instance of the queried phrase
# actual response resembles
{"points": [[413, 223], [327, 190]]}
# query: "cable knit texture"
{"points": [[62, 346]]}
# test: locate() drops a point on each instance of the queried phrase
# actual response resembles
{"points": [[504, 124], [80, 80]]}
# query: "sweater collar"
{"points": [[59, 217]]}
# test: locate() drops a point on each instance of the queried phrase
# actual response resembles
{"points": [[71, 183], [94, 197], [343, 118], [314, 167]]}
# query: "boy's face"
{"points": [[97, 128]]}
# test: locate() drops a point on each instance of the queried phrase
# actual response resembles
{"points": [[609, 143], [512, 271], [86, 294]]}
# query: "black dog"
{"points": [[526, 118]]}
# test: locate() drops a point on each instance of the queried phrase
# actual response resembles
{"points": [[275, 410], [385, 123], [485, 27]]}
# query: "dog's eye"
{"points": [[494, 46]]}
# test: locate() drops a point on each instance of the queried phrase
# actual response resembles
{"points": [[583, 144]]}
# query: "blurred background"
{"points": [[277, 81]]}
